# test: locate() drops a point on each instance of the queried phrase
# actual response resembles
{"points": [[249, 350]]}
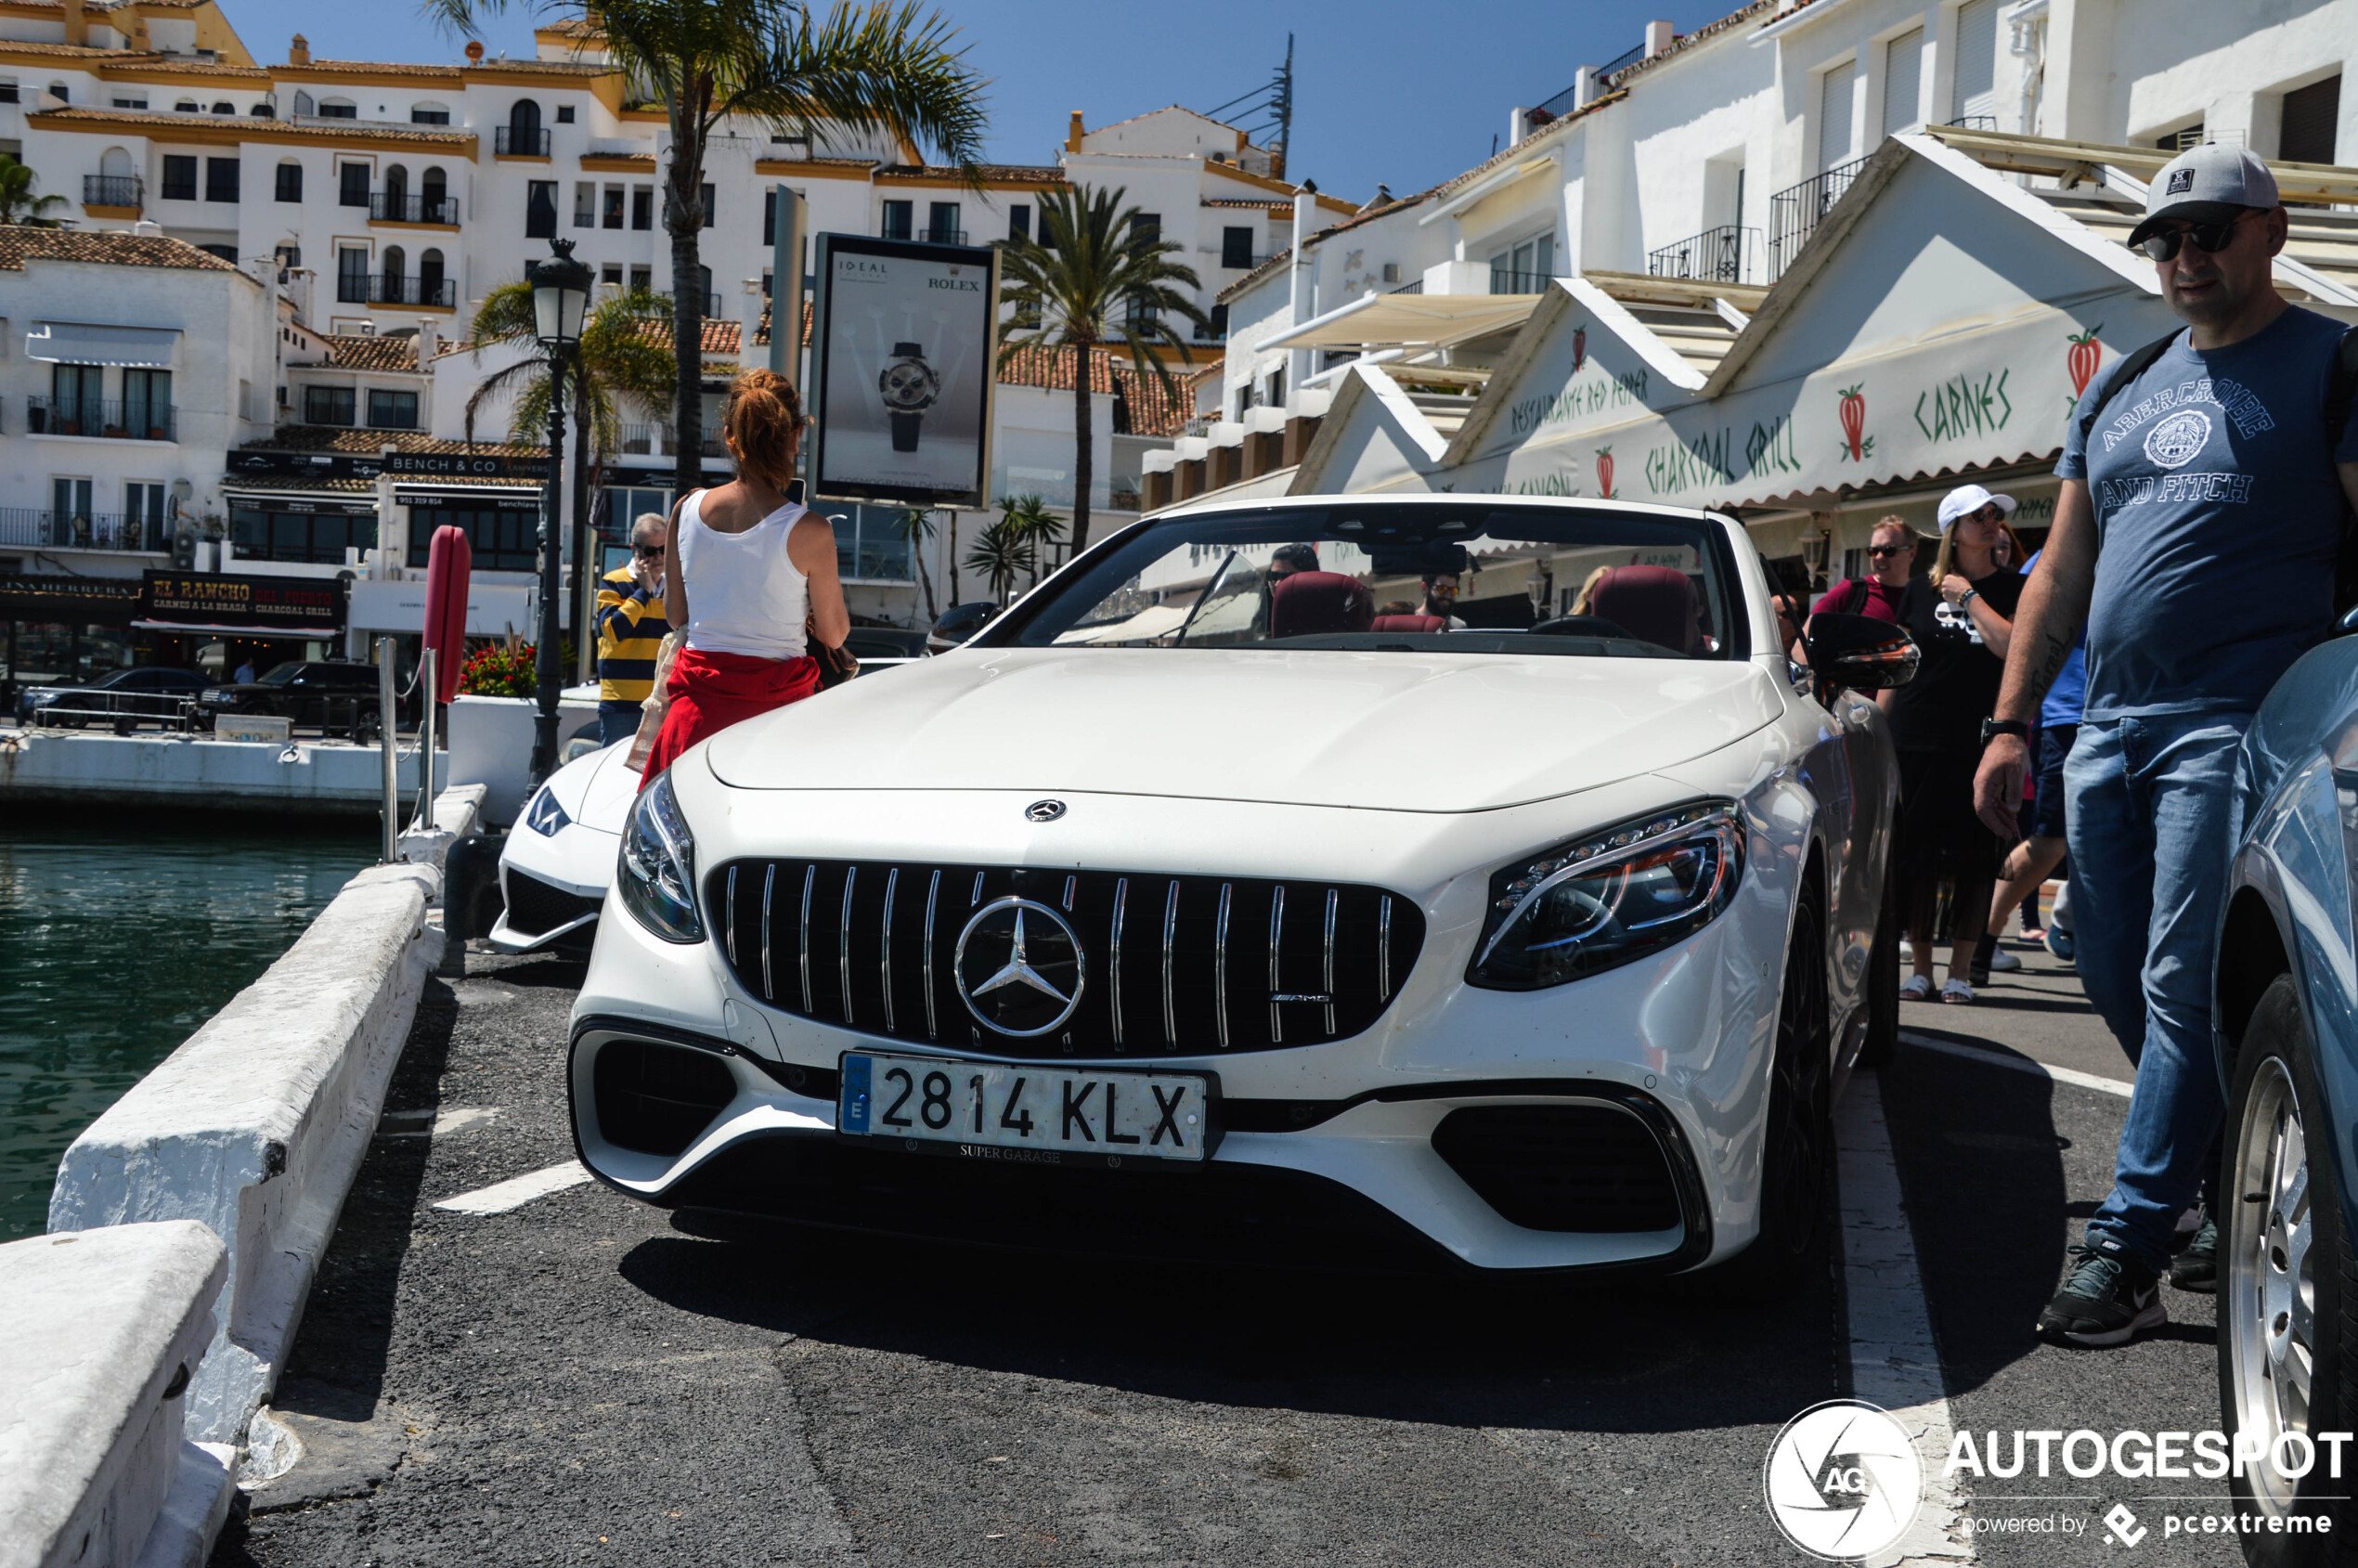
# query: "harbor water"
{"points": [[117, 941]]}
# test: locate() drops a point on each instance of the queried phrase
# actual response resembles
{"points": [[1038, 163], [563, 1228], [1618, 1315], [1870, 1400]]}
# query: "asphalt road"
{"points": [[576, 1381]]}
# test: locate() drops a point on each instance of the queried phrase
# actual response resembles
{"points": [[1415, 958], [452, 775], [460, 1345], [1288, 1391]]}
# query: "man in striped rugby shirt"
{"points": [[631, 625]]}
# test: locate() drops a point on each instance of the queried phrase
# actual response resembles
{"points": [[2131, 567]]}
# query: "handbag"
{"points": [[837, 664], [650, 712]]}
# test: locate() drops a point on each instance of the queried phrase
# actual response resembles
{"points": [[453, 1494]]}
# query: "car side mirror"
{"points": [[1859, 652]]}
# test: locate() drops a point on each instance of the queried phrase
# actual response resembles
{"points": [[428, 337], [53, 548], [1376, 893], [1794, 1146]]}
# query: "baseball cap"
{"points": [[2212, 182], [1966, 499]]}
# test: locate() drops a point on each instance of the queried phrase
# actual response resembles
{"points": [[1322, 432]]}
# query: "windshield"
{"points": [[1480, 580], [282, 674]]}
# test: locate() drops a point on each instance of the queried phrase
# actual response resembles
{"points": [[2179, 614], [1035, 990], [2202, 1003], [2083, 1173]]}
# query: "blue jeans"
{"points": [[616, 721], [2153, 818]]}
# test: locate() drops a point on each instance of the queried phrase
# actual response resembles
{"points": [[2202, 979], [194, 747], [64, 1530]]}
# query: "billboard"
{"points": [[902, 340]]}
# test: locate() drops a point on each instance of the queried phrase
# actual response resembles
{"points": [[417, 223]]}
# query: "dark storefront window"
{"points": [[317, 538], [502, 541]]}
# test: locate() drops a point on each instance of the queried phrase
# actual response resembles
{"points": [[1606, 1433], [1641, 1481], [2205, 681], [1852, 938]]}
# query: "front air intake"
{"points": [[1562, 1167], [655, 1099]]}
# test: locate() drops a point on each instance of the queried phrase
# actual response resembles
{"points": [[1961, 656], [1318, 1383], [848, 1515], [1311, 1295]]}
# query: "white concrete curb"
{"points": [[458, 813], [100, 1333], [151, 770], [256, 1125]]}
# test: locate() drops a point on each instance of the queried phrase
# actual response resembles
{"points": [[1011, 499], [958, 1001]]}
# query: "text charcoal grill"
{"points": [[1189, 965]]}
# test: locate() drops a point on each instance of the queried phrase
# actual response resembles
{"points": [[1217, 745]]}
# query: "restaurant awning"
{"points": [[1410, 321], [68, 342], [200, 629]]}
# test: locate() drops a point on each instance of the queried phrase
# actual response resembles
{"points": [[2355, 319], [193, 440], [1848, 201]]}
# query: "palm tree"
{"points": [[18, 205], [1096, 277], [1029, 519], [916, 528], [997, 556], [870, 66], [623, 356]]}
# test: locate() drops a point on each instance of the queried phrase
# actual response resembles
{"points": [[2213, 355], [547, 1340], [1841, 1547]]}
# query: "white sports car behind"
{"points": [[1194, 910], [559, 858]]}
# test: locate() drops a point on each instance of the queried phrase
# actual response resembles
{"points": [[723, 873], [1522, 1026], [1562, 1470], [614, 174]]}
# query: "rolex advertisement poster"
{"points": [[901, 352]]}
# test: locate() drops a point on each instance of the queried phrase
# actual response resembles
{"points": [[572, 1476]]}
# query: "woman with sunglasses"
{"points": [[1962, 620], [750, 577], [1891, 560]]}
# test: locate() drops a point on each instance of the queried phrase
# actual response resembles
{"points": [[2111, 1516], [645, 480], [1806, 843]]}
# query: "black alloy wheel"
{"points": [[1796, 1134], [2288, 1288], [1882, 977]]}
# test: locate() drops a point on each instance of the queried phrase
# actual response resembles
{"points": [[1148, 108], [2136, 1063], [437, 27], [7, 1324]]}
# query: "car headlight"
{"points": [[1609, 897], [546, 816], [657, 874]]}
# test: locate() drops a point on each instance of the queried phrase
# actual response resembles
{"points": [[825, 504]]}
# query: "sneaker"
{"points": [[2106, 1299], [2003, 963], [2197, 1268]]}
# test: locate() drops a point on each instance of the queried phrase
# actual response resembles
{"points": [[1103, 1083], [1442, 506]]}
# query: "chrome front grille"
{"points": [[1171, 966]]}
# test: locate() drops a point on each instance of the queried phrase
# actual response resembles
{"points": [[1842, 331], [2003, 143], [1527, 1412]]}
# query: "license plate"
{"points": [[1026, 1113]]}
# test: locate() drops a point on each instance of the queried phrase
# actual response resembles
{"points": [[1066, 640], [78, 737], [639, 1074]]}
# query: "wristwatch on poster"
{"points": [[1992, 728], [910, 386]]}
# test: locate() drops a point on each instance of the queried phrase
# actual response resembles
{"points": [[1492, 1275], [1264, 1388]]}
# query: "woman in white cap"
{"points": [[1962, 617]]}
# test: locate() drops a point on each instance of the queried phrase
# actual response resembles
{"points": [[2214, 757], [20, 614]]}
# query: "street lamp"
{"points": [[560, 296]]}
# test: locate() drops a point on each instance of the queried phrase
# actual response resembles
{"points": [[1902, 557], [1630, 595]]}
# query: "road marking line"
{"points": [[2020, 1063], [1893, 1360], [501, 1197]]}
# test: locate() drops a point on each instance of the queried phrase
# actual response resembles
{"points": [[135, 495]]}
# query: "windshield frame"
{"points": [[1006, 630]]}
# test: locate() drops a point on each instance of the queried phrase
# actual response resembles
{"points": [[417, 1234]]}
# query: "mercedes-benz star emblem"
{"points": [[1019, 967], [1043, 811]]}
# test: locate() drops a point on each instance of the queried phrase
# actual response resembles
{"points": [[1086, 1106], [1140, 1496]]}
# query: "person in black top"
{"points": [[1962, 617]]}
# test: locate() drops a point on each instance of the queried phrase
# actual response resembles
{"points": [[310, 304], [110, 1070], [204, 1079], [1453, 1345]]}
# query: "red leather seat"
{"points": [[1313, 603], [1655, 602], [1410, 623]]}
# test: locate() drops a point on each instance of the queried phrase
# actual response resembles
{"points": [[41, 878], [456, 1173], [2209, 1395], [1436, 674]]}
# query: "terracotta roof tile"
{"points": [[141, 119], [1153, 409], [354, 352], [18, 241], [369, 443], [1040, 173], [370, 67]]}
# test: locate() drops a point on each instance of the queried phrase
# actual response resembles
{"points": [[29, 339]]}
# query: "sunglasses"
{"points": [[1878, 551], [647, 551], [2210, 237]]}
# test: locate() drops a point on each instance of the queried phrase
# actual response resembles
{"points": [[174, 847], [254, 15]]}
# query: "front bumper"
{"points": [[552, 887]]}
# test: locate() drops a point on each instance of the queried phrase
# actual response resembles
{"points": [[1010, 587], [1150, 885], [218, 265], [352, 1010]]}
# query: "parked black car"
{"points": [[333, 694], [126, 696]]}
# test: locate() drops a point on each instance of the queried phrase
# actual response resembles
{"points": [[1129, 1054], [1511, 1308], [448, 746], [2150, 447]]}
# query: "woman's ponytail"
{"points": [[760, 418]]}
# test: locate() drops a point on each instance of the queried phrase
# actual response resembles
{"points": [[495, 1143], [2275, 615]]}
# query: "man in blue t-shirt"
{"points": [[2196, 538]]}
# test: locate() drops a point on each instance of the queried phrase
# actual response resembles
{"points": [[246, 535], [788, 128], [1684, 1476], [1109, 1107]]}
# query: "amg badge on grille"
{"points": [[1019, 967], [1043, 811]]}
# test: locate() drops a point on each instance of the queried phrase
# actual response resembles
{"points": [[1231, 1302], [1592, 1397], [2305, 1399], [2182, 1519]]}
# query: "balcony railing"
{"points": [[1725, 254], [92, 416], [1508, 280], [1796, 212], [1240, 261], [933, 235], [412, 209], [112, 190], [30, 528], [657, 440], [510, 141], [356, 287]]}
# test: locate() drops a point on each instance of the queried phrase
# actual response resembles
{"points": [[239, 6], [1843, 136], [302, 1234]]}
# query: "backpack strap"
{"points": [[2125, 375], [1856, 603], [2342, 389]]}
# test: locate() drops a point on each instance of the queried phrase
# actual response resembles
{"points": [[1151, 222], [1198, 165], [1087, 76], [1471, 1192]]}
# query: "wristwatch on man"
{"points": [[910, 386], [1992, 728]]}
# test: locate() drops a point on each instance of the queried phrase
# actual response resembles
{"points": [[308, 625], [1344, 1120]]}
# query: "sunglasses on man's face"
{"points": [[2212, 238], [1878, 551], [647, 551]]}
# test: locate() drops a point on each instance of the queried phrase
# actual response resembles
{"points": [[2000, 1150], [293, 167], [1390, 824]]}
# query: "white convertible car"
{"points": [[1200, 907]]}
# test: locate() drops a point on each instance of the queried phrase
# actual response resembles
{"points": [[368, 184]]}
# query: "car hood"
{"points": [[1382, 731]]}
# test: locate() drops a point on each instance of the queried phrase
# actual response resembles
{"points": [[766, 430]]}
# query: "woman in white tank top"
{"points": [[749, 578]]}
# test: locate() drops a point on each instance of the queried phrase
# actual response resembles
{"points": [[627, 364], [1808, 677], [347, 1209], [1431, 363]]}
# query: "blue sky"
{"points": [[1407, 94]]}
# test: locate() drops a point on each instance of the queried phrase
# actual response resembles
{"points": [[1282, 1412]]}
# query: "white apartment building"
{"points": [[1681, 244]]}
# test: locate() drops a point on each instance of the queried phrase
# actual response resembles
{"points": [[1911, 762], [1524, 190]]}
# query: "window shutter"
{"points": [[1834, 115], [1902, 77], [2311, 114], [1977, 75]]}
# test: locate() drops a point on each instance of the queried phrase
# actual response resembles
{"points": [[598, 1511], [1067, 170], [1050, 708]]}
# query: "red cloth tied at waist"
{"points": [[708, 691]]}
